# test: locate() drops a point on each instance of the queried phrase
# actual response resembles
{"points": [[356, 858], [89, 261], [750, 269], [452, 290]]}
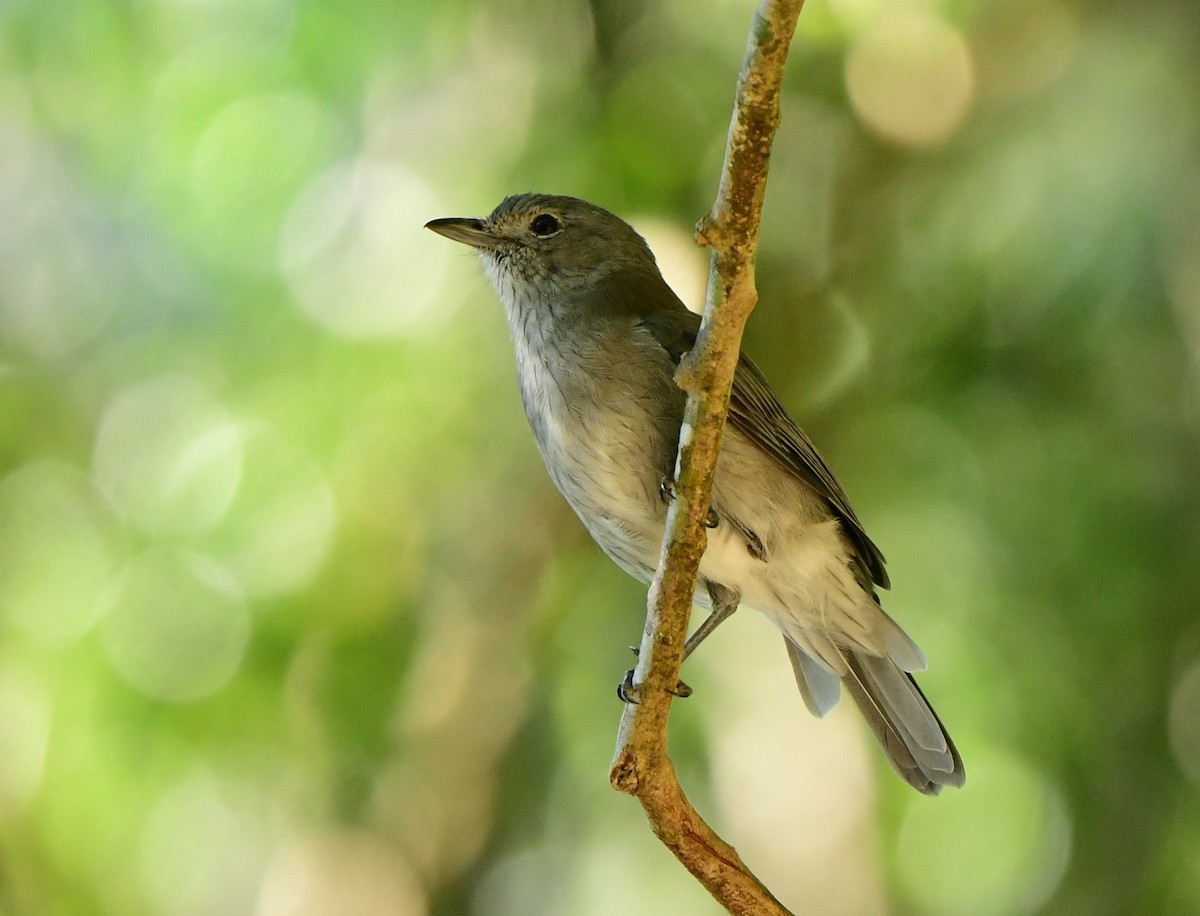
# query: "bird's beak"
{"points": [[467, 230]]}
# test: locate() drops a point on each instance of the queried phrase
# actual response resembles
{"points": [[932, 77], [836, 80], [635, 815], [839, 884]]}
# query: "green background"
{"points": [[292, 621]]}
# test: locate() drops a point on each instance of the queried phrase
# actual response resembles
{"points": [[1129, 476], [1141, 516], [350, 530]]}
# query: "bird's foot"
{"points": [[666, 489], [628, 692]]}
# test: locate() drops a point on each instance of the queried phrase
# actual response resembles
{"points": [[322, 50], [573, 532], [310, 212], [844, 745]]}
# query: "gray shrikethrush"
{"points": [[598, 335]]}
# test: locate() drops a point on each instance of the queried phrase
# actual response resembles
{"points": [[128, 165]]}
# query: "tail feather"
{"points": [[899, 645], [912, 735], [820, 687]]}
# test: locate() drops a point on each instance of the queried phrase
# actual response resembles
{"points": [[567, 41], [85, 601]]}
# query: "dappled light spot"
{"points": [[437, 124], [608, 871], [356, 255], [60, 277], [25, 717], [252, 145], [346, 872], [855, 15], [205, 73], [542, 872], [249, 161], [169, 456], [796, 792], [280, 527], [57, 550], [464, 698], [177, 626], [1023, 46], [1000, 846], [441, 809], [910, 78], [451, 648], [203, 847]]}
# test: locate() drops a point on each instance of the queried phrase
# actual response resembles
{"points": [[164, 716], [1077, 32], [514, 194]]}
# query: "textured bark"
{"points": [[642, 766]]}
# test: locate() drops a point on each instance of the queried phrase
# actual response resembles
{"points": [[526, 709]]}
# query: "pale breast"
{"points": [[597, 413]]}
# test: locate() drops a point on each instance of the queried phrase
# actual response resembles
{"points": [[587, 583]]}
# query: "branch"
{"points": [[642, 766]]}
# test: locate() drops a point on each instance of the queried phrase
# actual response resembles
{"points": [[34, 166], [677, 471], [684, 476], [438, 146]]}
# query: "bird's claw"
{"points": [[627, 691], [666, 489]]}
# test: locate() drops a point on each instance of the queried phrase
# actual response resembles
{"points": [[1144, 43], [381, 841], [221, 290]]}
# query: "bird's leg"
{"points": [[724, 603]]}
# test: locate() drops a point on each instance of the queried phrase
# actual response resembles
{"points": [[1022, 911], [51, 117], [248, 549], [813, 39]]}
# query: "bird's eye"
{"points": [[544, 226]]}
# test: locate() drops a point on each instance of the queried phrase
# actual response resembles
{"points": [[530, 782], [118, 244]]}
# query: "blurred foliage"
{"points": [[291, 620]]}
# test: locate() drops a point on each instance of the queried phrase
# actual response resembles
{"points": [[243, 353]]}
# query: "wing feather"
{"points": [[757, 413]]}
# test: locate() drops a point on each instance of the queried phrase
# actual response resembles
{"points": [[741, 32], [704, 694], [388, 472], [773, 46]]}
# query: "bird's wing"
{"points": [[755, 411]]}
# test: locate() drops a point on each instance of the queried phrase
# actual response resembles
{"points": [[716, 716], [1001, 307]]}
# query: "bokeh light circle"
{"points": [[999, 847], [177, 626], [25, 717], [343, 872], [357, 256], [252, 147], [910, 78], [57, 550], [203, 847], [280, 528], [169, 456]]}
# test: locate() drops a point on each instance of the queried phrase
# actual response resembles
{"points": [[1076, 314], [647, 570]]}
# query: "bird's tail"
{"points": [[910, 732]]}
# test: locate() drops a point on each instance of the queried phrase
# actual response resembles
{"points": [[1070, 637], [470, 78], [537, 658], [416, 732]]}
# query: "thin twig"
{"points": [[642, 766]]}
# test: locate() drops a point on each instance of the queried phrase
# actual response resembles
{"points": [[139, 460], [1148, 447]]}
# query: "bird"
{"points": [[598, 335]]}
